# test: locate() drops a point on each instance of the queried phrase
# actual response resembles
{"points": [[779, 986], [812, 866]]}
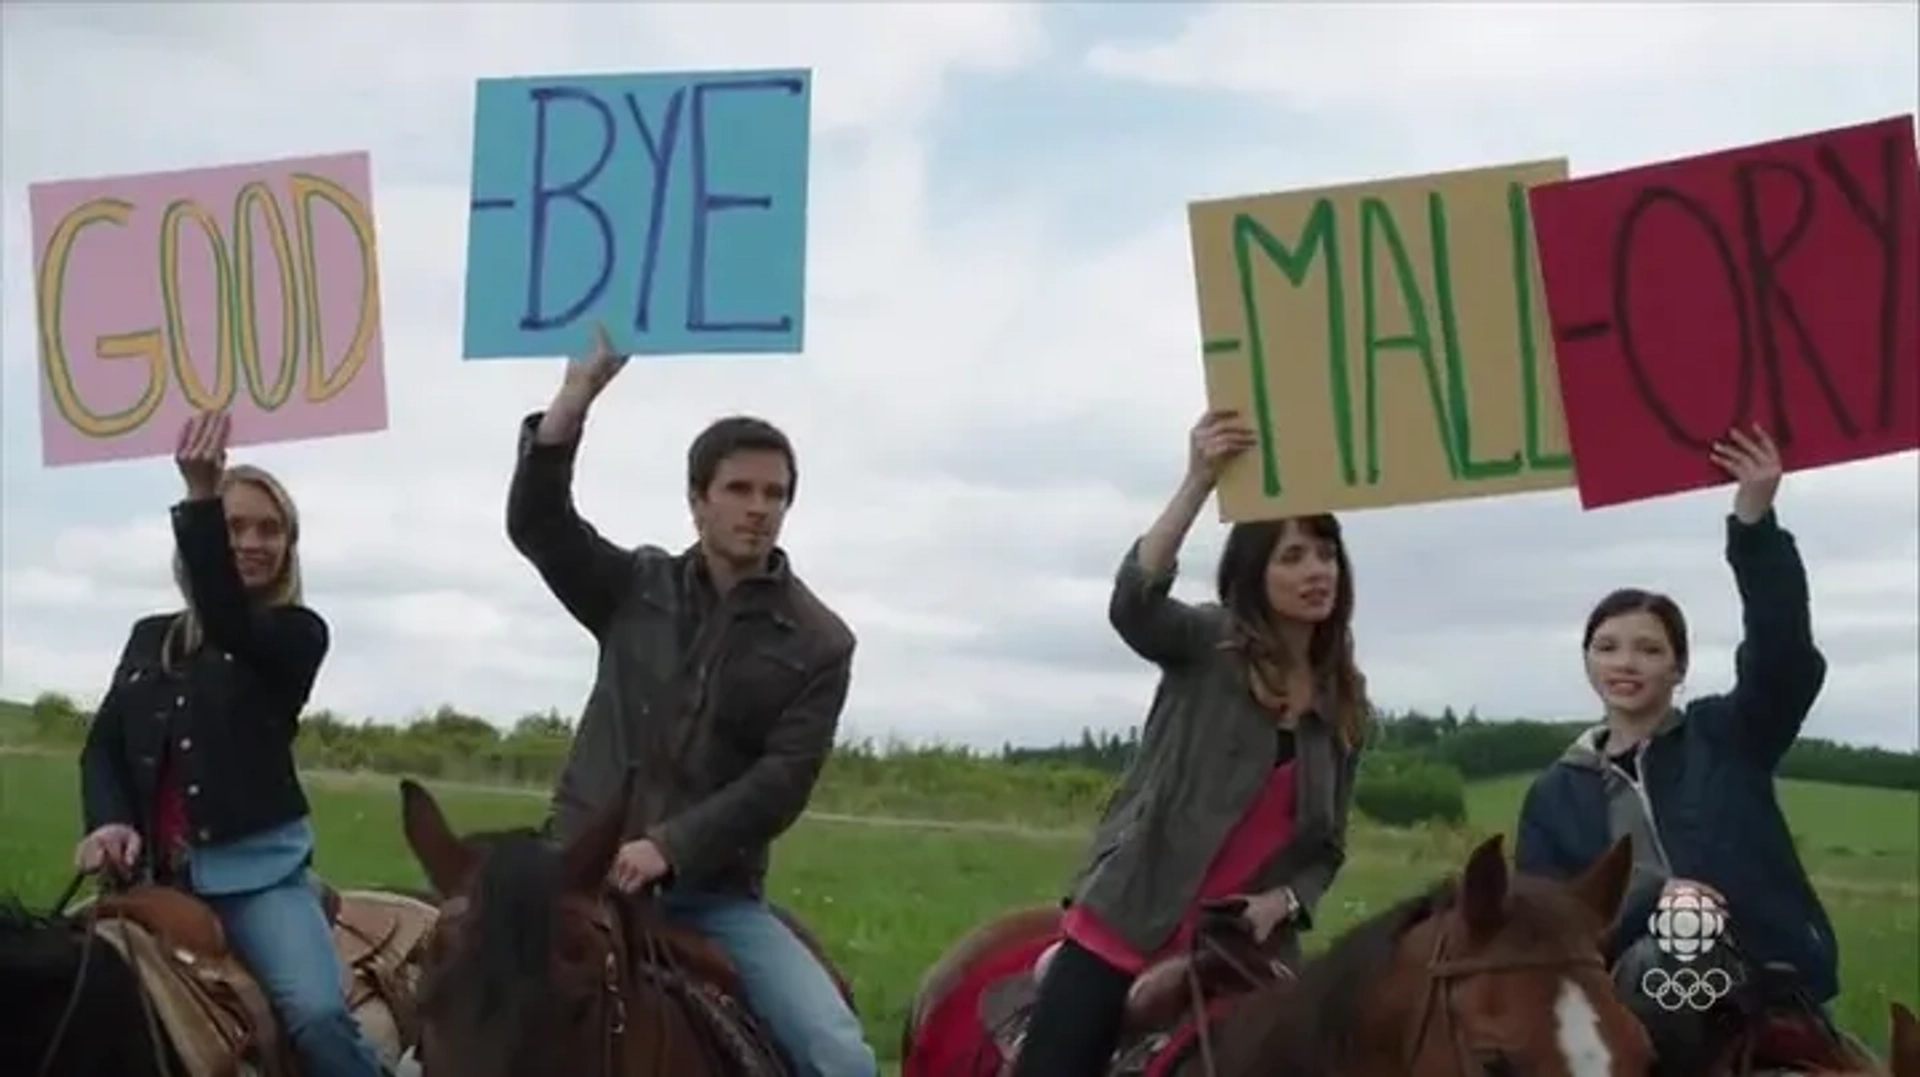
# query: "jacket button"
{"points": [[179, 701], [193, 790], [205, 834], [186, 744]]}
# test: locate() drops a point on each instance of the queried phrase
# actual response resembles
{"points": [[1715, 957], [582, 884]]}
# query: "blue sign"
{"points": [[670, 207]]}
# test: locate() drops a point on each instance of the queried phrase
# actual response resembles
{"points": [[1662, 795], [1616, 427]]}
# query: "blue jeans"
{"points": [[786, 986], [282, 935]]}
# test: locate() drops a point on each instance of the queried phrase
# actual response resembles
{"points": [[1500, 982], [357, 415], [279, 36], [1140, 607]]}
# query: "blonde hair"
{"points": [[186, 633]]}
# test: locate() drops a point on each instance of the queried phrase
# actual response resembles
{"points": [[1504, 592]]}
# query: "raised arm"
{"points": [[285, 643], [762, 803], [1159, 627], [587, 573], [1778, 671]]}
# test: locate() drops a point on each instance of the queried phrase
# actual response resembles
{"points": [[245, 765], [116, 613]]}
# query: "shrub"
{"points": [[1405, 790]]}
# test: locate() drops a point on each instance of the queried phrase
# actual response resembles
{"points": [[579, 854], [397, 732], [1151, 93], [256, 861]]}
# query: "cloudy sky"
{"points": [[1001, 356]]}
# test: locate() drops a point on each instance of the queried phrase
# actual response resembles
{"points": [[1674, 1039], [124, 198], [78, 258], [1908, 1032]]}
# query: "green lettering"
{"points": [[1458, 399], [1377, 226], [1520, 234], [1319, 237]]}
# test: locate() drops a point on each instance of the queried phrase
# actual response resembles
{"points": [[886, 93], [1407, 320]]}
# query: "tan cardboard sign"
{"points": [[1389, 340]]}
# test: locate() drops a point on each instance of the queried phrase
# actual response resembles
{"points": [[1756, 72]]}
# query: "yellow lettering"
{"points": [[144, 344], [308, 189], [245, 306], [196, 392]]}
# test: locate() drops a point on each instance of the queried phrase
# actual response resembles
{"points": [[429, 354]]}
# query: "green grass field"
{"points": [[889, 898]]}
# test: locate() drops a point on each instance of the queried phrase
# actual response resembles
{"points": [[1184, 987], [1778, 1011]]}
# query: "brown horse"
{"points": [[536, 968], [1491, 973]]}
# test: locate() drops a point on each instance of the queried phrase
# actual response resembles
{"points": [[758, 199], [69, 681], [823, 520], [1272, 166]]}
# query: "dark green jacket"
{"points": [[726, 707], [1205, 755], [1707, 808]]}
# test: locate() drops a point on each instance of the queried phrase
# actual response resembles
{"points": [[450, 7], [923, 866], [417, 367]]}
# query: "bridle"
{"points": [[632, 954], [1445, 973]]}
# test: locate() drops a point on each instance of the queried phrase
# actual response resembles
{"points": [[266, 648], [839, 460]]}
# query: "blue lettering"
{"points": [[571, 191], [706, 203], [660, 152]]}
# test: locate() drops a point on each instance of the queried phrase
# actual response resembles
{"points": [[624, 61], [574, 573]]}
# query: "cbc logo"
{"points": [[1685, 927], [1687, 923]]}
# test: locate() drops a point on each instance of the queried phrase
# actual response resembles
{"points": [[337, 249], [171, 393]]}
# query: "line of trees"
{"points": [[1416, 768]]}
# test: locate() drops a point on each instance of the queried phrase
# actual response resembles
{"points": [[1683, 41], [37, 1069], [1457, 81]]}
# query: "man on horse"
{"points": [[721, 681]]}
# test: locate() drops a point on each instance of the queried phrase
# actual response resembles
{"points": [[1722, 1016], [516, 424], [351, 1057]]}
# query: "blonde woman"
{"points": [[188, 775]]}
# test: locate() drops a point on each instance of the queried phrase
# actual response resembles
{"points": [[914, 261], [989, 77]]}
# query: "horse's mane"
{"points": [[502, 967], [1307, 1025]]}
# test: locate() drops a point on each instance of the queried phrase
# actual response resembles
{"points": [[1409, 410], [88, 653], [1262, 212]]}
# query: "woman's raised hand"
{"points": [[1753, 460], [1216, 440], [201, 452]]}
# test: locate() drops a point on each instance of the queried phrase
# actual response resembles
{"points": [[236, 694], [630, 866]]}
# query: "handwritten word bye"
{"points": [[670, 208], [1777, 283], [253, 288]]}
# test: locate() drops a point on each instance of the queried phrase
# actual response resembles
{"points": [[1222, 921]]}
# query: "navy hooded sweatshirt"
{"points": [[1705, 794]]}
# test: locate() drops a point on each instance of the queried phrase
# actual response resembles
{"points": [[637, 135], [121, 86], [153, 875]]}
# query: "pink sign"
{"points": [[254, 288]]}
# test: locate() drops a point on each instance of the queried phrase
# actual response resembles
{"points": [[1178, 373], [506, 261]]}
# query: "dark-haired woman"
{"points": [[1240, 790], [1693, 786]]}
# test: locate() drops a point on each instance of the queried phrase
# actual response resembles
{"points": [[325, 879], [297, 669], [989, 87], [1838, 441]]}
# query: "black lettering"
{"points": [[1771, 299], [1628, 229], [1886, 227]]}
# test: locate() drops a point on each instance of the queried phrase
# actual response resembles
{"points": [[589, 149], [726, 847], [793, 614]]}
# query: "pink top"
{"points": [[1262, 832]]}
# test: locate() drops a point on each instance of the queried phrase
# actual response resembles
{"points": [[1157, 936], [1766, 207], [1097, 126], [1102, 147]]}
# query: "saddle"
{"points": [[215, 1013], [690, 967], [1159, 1002]]}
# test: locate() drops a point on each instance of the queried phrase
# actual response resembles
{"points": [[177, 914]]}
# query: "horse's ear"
{"points": [[1483, 889], [1603, 886], [1905, 1040], [446, 859], [591, 852]]}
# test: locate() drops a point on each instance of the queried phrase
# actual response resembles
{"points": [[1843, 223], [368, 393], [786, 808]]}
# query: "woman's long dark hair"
{"points": [[1242, 586]]}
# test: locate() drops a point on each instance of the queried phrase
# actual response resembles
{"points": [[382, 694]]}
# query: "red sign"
{"points": [[1776, 284]]}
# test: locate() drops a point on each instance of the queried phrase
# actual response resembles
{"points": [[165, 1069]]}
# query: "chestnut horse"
{"points": [[537, 968], [1490, 973]]}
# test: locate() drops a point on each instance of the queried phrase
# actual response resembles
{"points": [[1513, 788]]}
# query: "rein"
{"points": [[89, 920], [1207, 943]]}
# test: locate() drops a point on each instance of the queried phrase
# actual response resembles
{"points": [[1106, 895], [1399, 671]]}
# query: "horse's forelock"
{"points": [[498, 963]]}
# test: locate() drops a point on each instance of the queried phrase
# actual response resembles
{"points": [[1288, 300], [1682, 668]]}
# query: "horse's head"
{"points": [[1507, 975], [527, 970]]}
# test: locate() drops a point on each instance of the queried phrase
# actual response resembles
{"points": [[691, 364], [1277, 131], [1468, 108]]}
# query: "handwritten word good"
{"points": [[169, 292], [672, 208], [1777, 283], [1387, 339]]}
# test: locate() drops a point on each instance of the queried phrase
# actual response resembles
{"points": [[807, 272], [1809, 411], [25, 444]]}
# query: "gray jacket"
{"points": [[1205, 755], [727, 707]]}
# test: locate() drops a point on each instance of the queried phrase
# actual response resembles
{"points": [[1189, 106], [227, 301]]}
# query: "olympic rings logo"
{"points": [[1686, 988]]}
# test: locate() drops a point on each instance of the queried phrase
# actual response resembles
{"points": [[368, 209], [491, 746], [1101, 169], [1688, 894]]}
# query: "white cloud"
{"points": [[999, 368]]}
